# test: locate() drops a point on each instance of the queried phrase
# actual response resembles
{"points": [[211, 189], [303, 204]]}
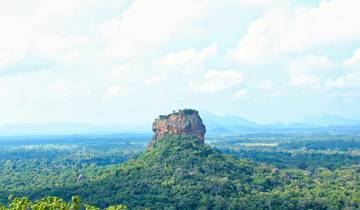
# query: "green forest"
{"points": [[178, 172]]}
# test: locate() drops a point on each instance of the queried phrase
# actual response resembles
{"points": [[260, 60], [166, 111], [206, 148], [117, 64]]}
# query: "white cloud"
{"points": [[92, 51], [64, 90], [305, 80], [350, 96], [3, 91], [218, 80], [350, 77], [348, 80], [123, 72], [135, 74], [265, 85], [280, 92], [61, 86], [13, 40], [187, 57], [156, 71], [185, 62], [261, 3], [34, 29], [309, 71], [147, 24], [243, 93], [318, 72], [291, 29], [354, 60], [116, 91], [60, 48]]}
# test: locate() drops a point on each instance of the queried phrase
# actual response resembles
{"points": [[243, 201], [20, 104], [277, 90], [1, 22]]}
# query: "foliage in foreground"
{"points": [[52, 203]]}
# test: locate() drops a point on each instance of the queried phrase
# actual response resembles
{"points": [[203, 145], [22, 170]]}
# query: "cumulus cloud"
{"points": [[262, 3], [157, 70], [147, 24], [3, 91], [350, 76], [348, 80], [13, 40], [65, 90], [187, 56], [241, 93], [216, 81], [63, 49], [115, 91], [188, 61], [336, 80], [309, 71], [351, 79], [134, 74], [291, 29], [124, 72], [90, 50], [16, 32], [354, 60], [265, 85]]}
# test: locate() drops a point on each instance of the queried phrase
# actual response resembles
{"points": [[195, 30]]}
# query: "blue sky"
{"points": [[113, 61]]}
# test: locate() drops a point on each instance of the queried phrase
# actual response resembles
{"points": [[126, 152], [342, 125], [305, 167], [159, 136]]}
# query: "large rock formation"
{"points": [[183, 122]]}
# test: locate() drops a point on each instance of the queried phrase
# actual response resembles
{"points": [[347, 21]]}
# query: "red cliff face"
{"points": [[182, 122]]}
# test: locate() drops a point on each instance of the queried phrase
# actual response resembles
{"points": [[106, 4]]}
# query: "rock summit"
{"points": [[182, 122]]}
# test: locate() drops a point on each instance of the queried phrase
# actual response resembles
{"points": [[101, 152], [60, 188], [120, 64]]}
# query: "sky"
{"points": [[127, 61]]}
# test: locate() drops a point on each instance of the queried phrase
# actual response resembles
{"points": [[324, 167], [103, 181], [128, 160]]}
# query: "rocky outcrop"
{"points": [[182, 122]]}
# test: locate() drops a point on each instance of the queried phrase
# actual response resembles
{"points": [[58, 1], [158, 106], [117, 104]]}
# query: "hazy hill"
{"points": [[69, 128], [216, 124], [235, 124], [331, 120]]}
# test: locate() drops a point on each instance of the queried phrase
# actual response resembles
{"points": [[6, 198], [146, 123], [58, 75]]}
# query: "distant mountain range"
{"points": [[215, 124], [331, 120], [323, 123], [69, 128]]}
